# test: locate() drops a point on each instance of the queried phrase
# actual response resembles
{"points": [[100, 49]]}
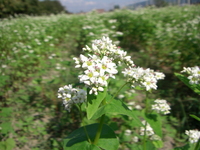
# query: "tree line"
{"points": [[30, 7]]}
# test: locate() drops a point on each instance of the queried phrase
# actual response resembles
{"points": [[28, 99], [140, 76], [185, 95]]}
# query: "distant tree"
{"points": [[116, 7], [160, 3], [35, 7], [49, 7]]}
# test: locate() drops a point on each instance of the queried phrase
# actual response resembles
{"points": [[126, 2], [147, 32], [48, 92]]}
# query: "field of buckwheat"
{"points": [[117, 80]]}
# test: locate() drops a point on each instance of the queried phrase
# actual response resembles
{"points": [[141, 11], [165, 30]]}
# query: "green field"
{"points": [[36, 59]]}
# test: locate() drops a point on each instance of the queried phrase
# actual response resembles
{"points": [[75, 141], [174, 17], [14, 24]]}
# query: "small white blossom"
{"points": [[146, 78], [128, 132], [135, 139], [155, 138], [194, 135], [194, 74], [149, 130], [161, 106], [71, 96], [138, 107]]}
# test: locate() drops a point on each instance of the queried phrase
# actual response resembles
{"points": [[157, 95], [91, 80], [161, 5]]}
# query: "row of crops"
{"points": [[36, 59]]}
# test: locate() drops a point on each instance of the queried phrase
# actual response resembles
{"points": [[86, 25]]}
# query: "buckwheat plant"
{"points": [[191, 77], [194, 135], [194, 74], [99, 66]]}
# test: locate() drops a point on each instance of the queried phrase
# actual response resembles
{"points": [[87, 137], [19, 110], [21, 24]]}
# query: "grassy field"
{"points": [[36, 59]]}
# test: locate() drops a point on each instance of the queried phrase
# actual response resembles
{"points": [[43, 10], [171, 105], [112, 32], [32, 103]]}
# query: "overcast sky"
{"points": [[75, 6]]}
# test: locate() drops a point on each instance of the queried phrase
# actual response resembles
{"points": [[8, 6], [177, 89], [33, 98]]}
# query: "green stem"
{"points": [[99, 130], [98, 134], [81, 116], [119, 90], [146, 109], [197, 147], [144, 139], [146, 103]]}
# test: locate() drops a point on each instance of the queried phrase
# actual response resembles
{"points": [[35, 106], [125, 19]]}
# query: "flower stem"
{"points": [[144, 138], [81, 116], [98, 134], [197, 145], [99, 130], [119, 90], [146, 110]]}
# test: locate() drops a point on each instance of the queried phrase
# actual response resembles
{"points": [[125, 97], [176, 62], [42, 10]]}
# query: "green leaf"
{"points": [[6, 111], [115, 107], [158, 144], [195, 117], [93, 102], [2, 145], [155, 122], [10, 144], [78, 140], [185, 80], [6, 127]]}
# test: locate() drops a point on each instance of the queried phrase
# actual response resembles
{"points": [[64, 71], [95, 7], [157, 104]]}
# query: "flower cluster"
{"points": [[145, 78], [100, 64], [194, 74], [71, 96], [149, 132], [194, 135], [161, 106], [97, 71], [104, 47]]}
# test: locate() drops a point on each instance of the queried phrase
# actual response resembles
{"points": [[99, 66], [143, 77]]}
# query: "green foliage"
{"points": [[93, 102], [185, 80], [9, 144], [36, 60], [115, 107], [77, 138], [29, 7]]}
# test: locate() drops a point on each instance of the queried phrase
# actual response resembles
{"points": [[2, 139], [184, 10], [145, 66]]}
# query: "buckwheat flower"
{"points": [[155, 138], [97, 71], [121, 96], [77, 62], [135, 139], [194, 74], [161, 106], [145, 78], [138, 107], [128, 132], [149, 130], [105, 47], [71, 96], [194, 135], [149, 83]]}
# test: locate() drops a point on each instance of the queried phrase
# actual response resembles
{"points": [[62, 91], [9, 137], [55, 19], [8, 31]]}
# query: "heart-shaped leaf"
{"points": [[78, 140]]}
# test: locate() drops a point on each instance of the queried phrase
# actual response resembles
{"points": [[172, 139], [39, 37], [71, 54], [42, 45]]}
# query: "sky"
{"points": [[76, 6]]}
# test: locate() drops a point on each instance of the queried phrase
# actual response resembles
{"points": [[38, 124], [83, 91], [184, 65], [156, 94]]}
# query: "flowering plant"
{"points": [[99, 66], [193, 82]]}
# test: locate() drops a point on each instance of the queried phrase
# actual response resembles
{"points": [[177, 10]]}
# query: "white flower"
{"points": [[146, 78], [194, 135], [138, 107], [128, 132], [155, 138], [71, 96], [194, 74], [148, 129], [161, 106], [135, 139]]}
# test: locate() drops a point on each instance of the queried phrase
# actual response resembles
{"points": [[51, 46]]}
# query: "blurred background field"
{"points": [[36, 59]]}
